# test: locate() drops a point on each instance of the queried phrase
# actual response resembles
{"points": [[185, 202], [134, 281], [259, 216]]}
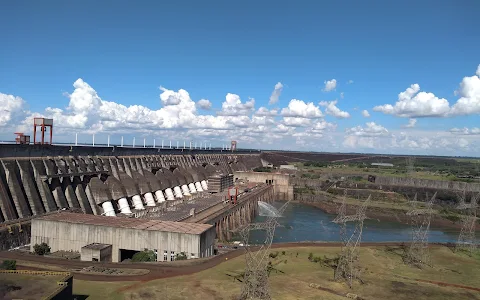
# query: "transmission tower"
{"points": [[347, 267], [255, 280], [466, 239], [417, 253], [410, 165], [341, 213]]}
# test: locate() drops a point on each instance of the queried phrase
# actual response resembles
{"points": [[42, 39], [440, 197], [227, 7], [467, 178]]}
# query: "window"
{"points": [[192, 255], [172, 255], [165, 255]]}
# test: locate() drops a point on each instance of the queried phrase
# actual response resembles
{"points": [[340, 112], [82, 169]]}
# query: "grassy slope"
{"points": [[385, 274]]}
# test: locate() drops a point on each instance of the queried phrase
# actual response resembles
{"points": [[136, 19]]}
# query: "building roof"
{"points": [[97, 246], [130, 223]]}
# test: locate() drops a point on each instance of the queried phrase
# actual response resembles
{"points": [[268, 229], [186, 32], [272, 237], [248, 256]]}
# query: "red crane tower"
{"points": [[43, 123]]}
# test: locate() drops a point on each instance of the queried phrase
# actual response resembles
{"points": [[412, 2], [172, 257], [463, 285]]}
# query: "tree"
{"points": [[181, 256], [9, 265], [41, 249]]}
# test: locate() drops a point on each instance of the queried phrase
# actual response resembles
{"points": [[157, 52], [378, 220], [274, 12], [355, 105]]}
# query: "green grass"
{"points": [[385, 276]]}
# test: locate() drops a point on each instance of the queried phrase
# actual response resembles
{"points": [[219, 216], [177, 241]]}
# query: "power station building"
{"points": [[95, 236]]}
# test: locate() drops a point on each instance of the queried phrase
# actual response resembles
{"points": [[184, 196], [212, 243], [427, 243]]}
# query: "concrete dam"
{"points": [[37, 180]]}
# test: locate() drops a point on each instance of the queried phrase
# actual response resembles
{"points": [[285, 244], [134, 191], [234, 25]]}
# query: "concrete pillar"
{"points": [[149, 200], [137, 202], [82, 197], [198, 186], [124, 206], [159, 196], [178, 192], [169, 194], [185, 190], [192, 188], [204, 185], [108, 209]]}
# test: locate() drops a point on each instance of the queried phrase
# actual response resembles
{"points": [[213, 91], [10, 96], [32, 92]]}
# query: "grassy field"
{"points": [[385, 276]]}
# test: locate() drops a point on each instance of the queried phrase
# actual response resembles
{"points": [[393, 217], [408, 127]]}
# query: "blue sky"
{"points": [[124, 51]]}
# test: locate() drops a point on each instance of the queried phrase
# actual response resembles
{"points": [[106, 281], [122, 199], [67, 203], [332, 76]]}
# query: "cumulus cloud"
{"points": [[365, 113], [411, 123], [10, 107], [277, 91], [330, 85], [370, 129], [466, 131], [204, 104], [296, 121], [412, 103], [233, 106], [263, 111], [415, 104], [298, 108], [332, 109]]}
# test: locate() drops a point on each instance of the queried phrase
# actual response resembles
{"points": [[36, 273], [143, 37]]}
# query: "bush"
{"points": [[453, 218], [283, 252], [181, 256], [41, 249], [9, 265], [145, 255], [262, 169], [273, 254], [310, 256]]}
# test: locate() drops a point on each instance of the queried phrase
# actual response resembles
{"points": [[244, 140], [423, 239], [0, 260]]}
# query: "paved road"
{"points": [[156, 270]]}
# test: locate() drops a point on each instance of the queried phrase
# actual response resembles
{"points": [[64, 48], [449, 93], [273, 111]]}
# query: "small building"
{"points": [[288, 167], [96, 252], [389, 165], [219, 183], [123, 237]]}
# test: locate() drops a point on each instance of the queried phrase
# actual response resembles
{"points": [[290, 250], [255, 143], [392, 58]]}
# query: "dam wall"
{"points": [[426, 183], [110, 184]]}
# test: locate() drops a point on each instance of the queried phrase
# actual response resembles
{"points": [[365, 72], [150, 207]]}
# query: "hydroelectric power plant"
{"points": [[75, 198]]}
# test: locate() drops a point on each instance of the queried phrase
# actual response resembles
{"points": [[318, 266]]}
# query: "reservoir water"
{"points": [[307, 223]]}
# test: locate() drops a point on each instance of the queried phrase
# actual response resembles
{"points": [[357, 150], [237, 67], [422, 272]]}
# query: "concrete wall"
{"points": [[281, 182], [88, 254], [69, 236], [33, 186]]}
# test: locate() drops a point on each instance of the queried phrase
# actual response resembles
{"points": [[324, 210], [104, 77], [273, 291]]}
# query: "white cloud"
{"points": [[263, 111], [365, 113], [276, 93], [412, 103], [342, 95], [233, 106], [296, 121], [10, 107], [330, 85], [298, 108], [411, 123], [466, 131], [204, 104], [333, 110], [371, 129], [350, 81]]}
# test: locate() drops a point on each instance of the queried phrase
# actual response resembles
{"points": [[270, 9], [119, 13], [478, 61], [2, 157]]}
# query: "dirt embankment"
{"points": [[381, 214]]}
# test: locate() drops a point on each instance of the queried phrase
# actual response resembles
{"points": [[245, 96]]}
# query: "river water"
{"points": [[307, 223]]}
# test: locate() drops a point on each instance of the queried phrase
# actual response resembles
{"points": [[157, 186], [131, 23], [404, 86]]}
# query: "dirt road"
{"points": [[156, 270]]}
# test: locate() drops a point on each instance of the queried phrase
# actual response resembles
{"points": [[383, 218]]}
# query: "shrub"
{"points": [[145, 255], [283, 252], [9, 265], [310, 256], [41, 249], [181, 256], [273, 254], [453, 218]]}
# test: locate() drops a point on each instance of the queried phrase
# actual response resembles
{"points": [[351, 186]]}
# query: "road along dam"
{"points": [[166, 185]]}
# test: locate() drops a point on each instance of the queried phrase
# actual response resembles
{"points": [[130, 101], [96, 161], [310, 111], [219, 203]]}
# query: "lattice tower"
{"points": [[466, 239], [410, 164], [417, 253], [341, 213], [255, 281], [348, 268]]}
